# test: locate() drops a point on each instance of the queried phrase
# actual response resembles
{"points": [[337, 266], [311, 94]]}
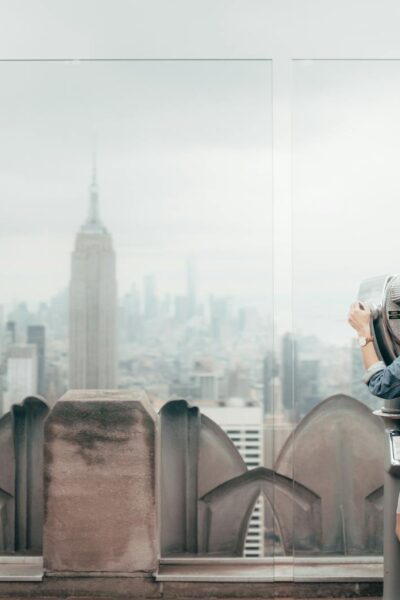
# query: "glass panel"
{"points": [[136, 241], [345, 205]]}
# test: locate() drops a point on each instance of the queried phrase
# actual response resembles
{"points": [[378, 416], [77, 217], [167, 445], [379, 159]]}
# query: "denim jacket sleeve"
{"points": [[384, 381]]}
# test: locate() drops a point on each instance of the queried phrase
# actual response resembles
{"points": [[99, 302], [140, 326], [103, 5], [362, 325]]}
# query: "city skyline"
{"points": [[163, 200], [208, 191]]}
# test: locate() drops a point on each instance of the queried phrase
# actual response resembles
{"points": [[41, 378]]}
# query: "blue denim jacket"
{"points": [[384, 381]]}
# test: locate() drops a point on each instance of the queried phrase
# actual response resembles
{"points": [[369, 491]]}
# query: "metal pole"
{"points": [[391, 545]]}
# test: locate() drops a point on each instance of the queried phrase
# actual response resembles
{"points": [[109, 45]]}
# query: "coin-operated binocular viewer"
{"points": [[382, 296]]}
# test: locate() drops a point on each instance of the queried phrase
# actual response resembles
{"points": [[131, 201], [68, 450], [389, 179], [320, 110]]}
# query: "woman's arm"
{"points": [[385, 382], [360, 319], [382, 381]]}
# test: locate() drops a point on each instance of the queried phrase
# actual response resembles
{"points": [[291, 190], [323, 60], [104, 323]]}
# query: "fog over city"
{"points": [[184, 167], [182, 154]]}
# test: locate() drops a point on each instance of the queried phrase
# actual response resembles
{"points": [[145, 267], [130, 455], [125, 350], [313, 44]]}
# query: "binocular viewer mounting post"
{"points": [[382, 295]]}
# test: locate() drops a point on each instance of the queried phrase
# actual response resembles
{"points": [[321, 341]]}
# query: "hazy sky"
{"points": [[184, 163], [346, 186], [184, 167]]}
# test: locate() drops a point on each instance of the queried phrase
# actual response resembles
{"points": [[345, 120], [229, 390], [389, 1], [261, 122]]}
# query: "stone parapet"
{"points": [[100, 488]]}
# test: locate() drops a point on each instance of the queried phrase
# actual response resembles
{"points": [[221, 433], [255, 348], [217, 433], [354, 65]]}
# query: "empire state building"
{"points": [[93, 304]]}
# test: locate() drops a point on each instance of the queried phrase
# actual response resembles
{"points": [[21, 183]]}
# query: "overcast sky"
{"points": [[346, 186], [184, 164], [184, 168]]}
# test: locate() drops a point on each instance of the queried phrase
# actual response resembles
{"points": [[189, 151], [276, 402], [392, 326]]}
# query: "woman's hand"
{"points": [[359, 318]]}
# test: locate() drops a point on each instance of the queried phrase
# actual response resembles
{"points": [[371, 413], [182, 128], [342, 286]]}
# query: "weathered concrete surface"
{"points": [[100, 506], [337, 451], [82, 587], [305, 591], [21, 476], [85, 588]]}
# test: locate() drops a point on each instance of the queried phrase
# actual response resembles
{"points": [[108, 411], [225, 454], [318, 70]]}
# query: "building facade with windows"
{"points": [[244, 426], [21, 380]]}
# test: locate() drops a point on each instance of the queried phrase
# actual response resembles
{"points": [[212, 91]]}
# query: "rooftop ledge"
{"points": [[235, 569], [21, 568], [282, 569]]}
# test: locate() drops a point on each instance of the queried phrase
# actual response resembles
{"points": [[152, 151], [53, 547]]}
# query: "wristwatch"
{"points": [[363, 341]]}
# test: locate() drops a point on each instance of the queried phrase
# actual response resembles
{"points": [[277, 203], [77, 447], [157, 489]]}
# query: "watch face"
{"points": [[362, 341]]}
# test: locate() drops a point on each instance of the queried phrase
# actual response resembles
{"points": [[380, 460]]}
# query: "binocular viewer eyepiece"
{"points": [[382, 296]]}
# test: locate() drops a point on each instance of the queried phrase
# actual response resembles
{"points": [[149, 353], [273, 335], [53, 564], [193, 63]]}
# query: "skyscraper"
{"points": [[37, 337], [290, 371], [93, 304], [270, 370], [21, 374]]}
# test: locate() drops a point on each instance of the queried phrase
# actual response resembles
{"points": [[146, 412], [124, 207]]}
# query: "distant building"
{"points": [[204, 381], [93, 304], [220, 310], [309, 385], [270, 370], [18, 320], [11, 332], [130, 321], [278, 425], [244, 425], [290, 371], [238, 382], [55, 382], [37, 337], [150, 297], [21, 374]]}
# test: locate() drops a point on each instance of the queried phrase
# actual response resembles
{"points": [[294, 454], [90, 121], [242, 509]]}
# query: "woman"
{"points": [[382, 381]]}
